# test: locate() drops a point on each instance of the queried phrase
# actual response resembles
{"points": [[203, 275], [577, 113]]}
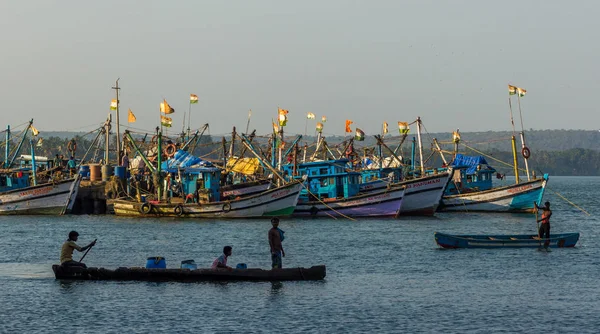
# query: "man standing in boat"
{"points": [[545, 220], [66, 253], [275, 239]]}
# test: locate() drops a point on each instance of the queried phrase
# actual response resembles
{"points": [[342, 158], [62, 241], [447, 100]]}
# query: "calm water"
{"points": [[382, 275]]}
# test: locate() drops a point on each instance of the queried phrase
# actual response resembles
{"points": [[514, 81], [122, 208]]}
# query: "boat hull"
{"points": [[421, 197], [275, 202], [505, 241], [385, 203], [186, 275], [514, 198], [45, 199]]}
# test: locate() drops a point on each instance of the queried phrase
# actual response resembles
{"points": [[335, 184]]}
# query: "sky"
{"points": [[448, 62]]}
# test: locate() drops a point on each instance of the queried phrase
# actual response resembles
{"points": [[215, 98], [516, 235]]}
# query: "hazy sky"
{"points": [[369, 61]]}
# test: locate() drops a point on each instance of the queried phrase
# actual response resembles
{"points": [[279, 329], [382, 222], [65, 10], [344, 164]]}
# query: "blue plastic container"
{"points": [[156, 262], [241, 266], [120, 172], [84, 171], [189, 264], [143, 198]]}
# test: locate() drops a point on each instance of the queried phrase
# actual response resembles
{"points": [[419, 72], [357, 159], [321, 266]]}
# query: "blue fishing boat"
{"points": [[505, 241], [471, 189], [333, 190]]}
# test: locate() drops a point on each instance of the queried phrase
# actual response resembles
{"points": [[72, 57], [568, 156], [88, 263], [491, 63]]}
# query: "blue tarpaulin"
{"points": [[471, 161], [183, 159]]}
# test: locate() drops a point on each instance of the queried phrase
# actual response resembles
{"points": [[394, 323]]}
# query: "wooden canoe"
{"points": [[505, 241], [186, 275]]}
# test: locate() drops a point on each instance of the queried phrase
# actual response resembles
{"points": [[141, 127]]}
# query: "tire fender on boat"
{"points": [[525, 152], [227, 207], [146, 208], [178, 210]]}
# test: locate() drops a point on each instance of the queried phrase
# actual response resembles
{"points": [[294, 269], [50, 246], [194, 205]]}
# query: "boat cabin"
{"points": [[326, 179], [471, 173], [202, 183]]}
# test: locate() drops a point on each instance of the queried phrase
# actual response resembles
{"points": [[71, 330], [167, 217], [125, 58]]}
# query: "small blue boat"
{"points": [[505, 241]]}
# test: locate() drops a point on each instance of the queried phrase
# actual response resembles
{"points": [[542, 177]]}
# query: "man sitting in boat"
{"points": [[545, 220], [66, 253], [221, 261]]}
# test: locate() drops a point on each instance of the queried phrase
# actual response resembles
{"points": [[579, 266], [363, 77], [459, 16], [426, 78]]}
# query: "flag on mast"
{"points": [[319, 127], [521, 91], [348, 123], [131, 117], [282, 116], [166, 108], [512, 90], [193, 98], [324, 119], [385, 127], [360, 135], [403, 128], [310, 116], [166, 121], [34, 131], [113, 104]]}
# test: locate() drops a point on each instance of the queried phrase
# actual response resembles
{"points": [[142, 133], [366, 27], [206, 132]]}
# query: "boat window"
{"points": [[469, 178], [323, 171]]}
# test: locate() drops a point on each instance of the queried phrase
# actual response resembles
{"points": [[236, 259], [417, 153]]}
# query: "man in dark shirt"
{"points": [[275, 239]]}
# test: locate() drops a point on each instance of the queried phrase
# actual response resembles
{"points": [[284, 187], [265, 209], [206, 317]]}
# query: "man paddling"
{"points": [[545, 220], [66, 253], [275, 239]]}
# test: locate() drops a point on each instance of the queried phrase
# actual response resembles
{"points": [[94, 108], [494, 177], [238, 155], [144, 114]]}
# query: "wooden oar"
{"points": [[89, 249]]}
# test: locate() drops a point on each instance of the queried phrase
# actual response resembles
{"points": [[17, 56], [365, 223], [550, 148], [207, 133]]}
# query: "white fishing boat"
{"points": [[52, 198], [280, 201]]}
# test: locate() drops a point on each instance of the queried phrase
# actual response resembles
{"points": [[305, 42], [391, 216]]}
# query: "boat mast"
{"points": [[420, 145], [33, 167], [514, 143], [523, 146], [107, 139], [232, 145], [118, 142], [7, 147], [437, 145]]}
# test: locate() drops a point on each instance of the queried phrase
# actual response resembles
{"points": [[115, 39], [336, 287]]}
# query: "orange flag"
{"points": [[348, 123]]}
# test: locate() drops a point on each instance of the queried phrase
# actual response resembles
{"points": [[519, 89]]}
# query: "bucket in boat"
{"points": [[107, 172], [84, 171], [189, 264], [95, 172], [156, 262], [120, 172]]}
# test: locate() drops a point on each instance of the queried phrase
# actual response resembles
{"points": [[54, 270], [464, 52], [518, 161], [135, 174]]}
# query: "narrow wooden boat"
{"points": [[314, 273], [505, 241]]}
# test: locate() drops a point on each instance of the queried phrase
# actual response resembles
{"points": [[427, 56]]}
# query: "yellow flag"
{"points": [[34, 131], [456, 136], [166, 108], [385, 127], [113, 104], [131, 117]]}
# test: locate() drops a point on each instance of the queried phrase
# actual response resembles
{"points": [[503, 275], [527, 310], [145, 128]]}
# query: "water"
{"points": [[382, 275]]}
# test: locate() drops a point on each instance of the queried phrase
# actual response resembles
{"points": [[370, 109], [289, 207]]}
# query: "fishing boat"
{"points": [[280, 201], [333, 191], [51, 198], [422, 195], [314, 273], [471, 189], [505, 241]]}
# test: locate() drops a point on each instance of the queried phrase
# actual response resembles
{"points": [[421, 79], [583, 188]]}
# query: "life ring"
{"points": [[146, 208], [178, 210], [226, 207], [72, 145], [526, 152], [170, 150]]}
